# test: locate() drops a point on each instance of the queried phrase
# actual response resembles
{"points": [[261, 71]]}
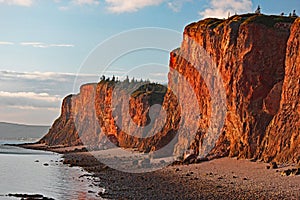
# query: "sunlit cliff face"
{"points": [[257, 58]]}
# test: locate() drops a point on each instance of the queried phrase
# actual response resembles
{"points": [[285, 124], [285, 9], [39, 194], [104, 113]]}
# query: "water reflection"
{"points": [[23, 171]]}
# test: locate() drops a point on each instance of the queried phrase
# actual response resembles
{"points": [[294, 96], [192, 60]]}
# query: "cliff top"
{"points": [[274, 21]]}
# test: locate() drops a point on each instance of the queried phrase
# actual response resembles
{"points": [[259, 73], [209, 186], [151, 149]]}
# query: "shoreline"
{"points": [[221, 178], [39, 174]]}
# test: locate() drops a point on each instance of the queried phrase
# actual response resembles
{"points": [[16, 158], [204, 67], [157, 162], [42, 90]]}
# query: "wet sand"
{"points": [[225, 178]]}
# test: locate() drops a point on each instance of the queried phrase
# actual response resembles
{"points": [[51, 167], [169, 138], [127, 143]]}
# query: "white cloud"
{"points": [[220, 9], [86, 2], [35, 97], [64, 8], [61, 45], [122, 6], [25, 3], [53, 83], [29, 99], [34, 108], [30, 95], [39, 90], [51, 77], [6, 43], [33, 44], [177, 4], [39, 76], [30, 43], [125, 6], [43, 45]]}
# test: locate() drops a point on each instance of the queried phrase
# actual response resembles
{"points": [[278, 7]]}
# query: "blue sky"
{"points": [[83, 24], [42, 36]]}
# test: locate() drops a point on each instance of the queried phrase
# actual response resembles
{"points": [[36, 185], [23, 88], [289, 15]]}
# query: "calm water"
{"points": [[19, 173]]}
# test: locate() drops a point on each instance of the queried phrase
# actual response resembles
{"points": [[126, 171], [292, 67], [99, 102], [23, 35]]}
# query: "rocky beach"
{"points": [[225, 178]]}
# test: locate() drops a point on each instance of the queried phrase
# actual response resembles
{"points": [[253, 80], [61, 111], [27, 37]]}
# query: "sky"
{"points": [[45, 45]]}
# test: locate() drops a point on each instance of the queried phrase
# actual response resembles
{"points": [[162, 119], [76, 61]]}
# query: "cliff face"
{"points": [[123, 113], [76, 109], [256, 57], [282, 141], [249, 52], [109, 114]]}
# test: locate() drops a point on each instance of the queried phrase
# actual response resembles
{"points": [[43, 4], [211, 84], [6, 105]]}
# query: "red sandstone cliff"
{"points": [[255, 55], [88, 117], [282, 141], [250, 53], [74, 108]]}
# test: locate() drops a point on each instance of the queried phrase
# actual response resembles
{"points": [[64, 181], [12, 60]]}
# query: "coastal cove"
{"points": [[25, 171]]}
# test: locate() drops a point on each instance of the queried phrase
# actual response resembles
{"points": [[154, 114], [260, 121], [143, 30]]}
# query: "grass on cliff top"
{"points": [[208, 23], [269, 20], [212, 23], [155, 92], [151, 88]]}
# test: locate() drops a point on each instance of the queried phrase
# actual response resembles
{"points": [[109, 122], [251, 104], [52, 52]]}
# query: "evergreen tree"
{"points": [[258, 10]]}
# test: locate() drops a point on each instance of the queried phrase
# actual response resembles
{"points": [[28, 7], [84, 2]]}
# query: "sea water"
{"points": [[24, 171]]}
